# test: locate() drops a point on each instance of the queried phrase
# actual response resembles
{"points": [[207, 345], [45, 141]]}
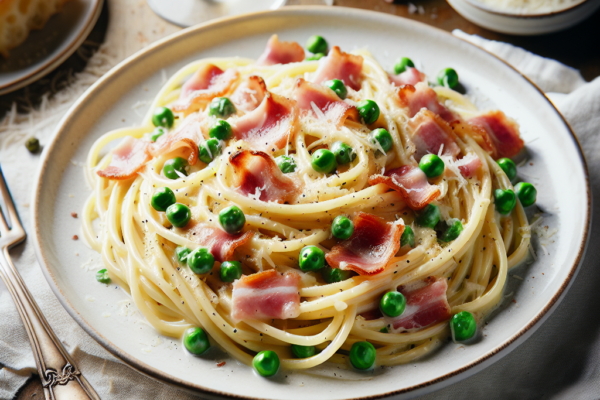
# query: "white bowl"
{"points": [[556, 164], [523, 24]]}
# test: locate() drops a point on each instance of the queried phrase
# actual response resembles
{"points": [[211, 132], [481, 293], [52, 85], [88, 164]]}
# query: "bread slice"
{"points": [[19, 17]]}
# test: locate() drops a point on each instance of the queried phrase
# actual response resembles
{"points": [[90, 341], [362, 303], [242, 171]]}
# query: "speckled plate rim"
{"points": [[434, 384], [490, 10], [55, 59]]}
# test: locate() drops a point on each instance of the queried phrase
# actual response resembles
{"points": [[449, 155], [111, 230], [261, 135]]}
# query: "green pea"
{"points": [[102, 276], [344, 154], [432, 165], [402, 64], [338, 87], [333, 275], [429, 216], [162, 198], [221, 107], [315, 57], [384, 330], [209, 150], [220, 130], [463, 326], [195, 340], [509, 167], [172, 165], [448, 77], [286, 164], [266, 363], [383, 137], [311, 258], [526, 193], [452, 231], [200, 261], [163, 116], [392, 304], [303, 351], [505, 200], [178, 215], [323, 161], [33, 145], [182, 252], [368, 110], [230, 271], [232, 219], [316, 44], [362, 355], [408, 237], [157, 133], [342, 227]]}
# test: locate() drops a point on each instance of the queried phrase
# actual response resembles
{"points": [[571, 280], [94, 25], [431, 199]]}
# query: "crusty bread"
{"points": [[19, 17]]}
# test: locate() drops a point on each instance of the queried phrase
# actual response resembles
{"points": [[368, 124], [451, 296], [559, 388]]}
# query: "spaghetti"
{"points": [[438, 240]]}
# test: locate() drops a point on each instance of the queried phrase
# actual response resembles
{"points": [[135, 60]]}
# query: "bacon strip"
{"points": [[249, 94], [127, 159], [424, 307], [411, 183], [208, 82], [371, 246], [338, 65], [258, 176], [502, 131], [186, 137], [422, 96], [469, 165], [411, 76], [269, 126], [430, 133], [219, 243], [266, 295], [280, 52], [337, 111]]}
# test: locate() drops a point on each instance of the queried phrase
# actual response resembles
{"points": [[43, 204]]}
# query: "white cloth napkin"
{"points": [[559, 360]]}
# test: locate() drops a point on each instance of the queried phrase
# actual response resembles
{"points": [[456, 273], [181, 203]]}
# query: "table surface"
{"points": [[569, 47]]}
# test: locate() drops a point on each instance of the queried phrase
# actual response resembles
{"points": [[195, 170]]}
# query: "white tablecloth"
{"points": [[559, 361]]}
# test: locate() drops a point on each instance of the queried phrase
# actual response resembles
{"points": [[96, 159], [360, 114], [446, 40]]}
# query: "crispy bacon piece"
{"points": [[186, 137], [422, 96], [371, 246], [424, 306], [280, 52], [411, 76], [502, 131], [469, 165], [339, 65], [208, 82], [269, 126], [477, 133], [258, 175], [266, 295], [326, 100], [430, 133], [411, 183], [249, 94], [127, 159], [219, 243]]}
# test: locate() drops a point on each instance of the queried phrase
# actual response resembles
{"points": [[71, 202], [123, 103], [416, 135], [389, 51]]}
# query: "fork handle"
{"points": [[61, 378]]}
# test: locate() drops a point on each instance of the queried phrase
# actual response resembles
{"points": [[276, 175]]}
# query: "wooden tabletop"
{"points": [[572, 47]]}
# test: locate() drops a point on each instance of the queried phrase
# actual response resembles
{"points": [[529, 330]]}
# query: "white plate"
{"points": [[524, 24], [47, 48], [558, 170]]}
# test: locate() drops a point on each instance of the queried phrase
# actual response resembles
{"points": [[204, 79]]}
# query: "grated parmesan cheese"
{"points": [[529, 6]]}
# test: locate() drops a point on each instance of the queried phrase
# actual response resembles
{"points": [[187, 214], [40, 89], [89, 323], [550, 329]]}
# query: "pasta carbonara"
{"points": [[300, 209]]}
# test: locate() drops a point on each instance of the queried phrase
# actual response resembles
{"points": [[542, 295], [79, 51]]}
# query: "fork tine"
{"points": [[10, 211]]}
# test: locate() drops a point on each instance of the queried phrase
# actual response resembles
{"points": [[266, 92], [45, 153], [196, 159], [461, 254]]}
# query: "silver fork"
{"points": [[61, 378]]}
